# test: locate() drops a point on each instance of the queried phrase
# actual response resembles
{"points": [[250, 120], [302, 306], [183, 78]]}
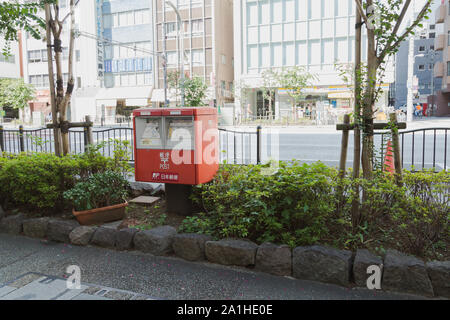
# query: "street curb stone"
{"points": [[439, 272], [323, 264], [12, 224], [190, 246], [157, 241], [36, 228], [81, 236], [124, 238], [363, 259], [104, 237], [274, 259], [231, 252], [403, 273], [59, 230]]}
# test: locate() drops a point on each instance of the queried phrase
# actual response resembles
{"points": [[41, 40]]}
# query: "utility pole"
{"points": [[164, 57], [409, 101], [432, 82], [181, 39]]}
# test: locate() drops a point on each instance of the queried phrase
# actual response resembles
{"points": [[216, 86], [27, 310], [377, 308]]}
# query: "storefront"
{"points": [[334, 100]]}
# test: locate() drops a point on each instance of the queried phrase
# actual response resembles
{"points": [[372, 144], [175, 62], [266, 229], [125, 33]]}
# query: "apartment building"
{"points": [[207, 36], [126, 57], [442, 68], [315, 34], [425, 58]]}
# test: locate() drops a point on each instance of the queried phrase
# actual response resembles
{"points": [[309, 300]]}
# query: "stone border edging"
{"points": [[400, 272]]}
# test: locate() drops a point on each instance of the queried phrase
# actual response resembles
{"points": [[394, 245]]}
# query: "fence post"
{"points": [[344, 147], [2, 144], [88, 138], [258, 144], [21, 139], [396, 146]]}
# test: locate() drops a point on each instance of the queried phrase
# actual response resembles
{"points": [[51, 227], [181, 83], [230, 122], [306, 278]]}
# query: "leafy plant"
{"points": [[38, 180], [99, 190]]}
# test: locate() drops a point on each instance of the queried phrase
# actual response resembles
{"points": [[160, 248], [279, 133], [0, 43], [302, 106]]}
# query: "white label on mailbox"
{"points": [[151, 136]]}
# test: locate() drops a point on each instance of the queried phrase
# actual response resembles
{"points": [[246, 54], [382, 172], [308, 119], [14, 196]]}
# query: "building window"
{"points": [[197, 57], [172, 58], [78, 55], [197, 26], [8, 59], [421, 67], [448, 69], [171, 29], [224, 59], [78, 82], [34, 56], [422, 49]]}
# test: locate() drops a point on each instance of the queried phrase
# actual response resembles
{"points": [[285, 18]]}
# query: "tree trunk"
{"points": [[357, 114], [367, 152], [66, 100], [54, 106]]}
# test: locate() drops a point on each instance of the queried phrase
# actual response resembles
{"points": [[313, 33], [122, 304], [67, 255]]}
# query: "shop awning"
{"points": [[340, 95]]}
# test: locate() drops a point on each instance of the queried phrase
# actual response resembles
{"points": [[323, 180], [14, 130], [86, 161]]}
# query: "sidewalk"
{"points": [[431, 122], [35, 269]]}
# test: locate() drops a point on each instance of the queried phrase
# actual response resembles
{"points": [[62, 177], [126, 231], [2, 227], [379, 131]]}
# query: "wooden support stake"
{"points": [[396, 146], [90, 138], [344, 147]]}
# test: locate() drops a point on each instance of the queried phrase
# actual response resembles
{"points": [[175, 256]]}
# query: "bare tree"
{"points": [[60, 98]]}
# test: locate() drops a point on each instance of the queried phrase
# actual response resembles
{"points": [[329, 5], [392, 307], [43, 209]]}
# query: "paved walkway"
{"points": [[36, 269], [35, 286]]}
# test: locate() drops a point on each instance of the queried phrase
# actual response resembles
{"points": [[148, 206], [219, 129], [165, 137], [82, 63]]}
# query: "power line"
{"points": [[120, 44]]}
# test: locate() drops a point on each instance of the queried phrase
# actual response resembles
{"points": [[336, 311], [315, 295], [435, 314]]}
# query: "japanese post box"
{"points": [[176, 146]]}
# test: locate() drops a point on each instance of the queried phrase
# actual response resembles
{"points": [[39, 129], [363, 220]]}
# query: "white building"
{"points": [[9, 68], [35, 63], [315, 34], [10, 65]]}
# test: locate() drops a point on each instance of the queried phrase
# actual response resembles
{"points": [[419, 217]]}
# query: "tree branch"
{"points": [[408, 30]]}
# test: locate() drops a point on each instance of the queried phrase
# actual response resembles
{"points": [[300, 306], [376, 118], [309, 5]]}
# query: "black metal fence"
{"points": [[420, 148], [240, 147], [42, 140]]}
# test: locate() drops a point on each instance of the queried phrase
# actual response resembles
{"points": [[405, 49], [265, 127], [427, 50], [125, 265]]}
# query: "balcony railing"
{"points": [[439, 42], [439, 70]]}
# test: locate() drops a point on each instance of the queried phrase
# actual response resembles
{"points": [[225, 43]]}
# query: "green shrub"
{"points": [[309, 204], [289, 207], [99, 190], [37, 181]]}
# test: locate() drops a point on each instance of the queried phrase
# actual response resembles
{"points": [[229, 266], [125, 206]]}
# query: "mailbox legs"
{"points": [[178, 199]]}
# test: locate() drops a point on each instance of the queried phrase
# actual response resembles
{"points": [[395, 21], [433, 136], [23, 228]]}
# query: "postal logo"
{"points": [[164, 156]]}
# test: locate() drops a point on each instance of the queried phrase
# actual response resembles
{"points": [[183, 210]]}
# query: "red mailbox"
{"points": [[176, 146]]}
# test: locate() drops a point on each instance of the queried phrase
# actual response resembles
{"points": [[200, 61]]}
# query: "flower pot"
{"points": [[101, 215]]}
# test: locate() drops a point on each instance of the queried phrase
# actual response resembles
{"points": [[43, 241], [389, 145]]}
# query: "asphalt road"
{"points": [[421, 150], [167, 278]]}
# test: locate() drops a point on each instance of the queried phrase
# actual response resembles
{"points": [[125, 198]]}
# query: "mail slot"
{"points": [[176, 146]]}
